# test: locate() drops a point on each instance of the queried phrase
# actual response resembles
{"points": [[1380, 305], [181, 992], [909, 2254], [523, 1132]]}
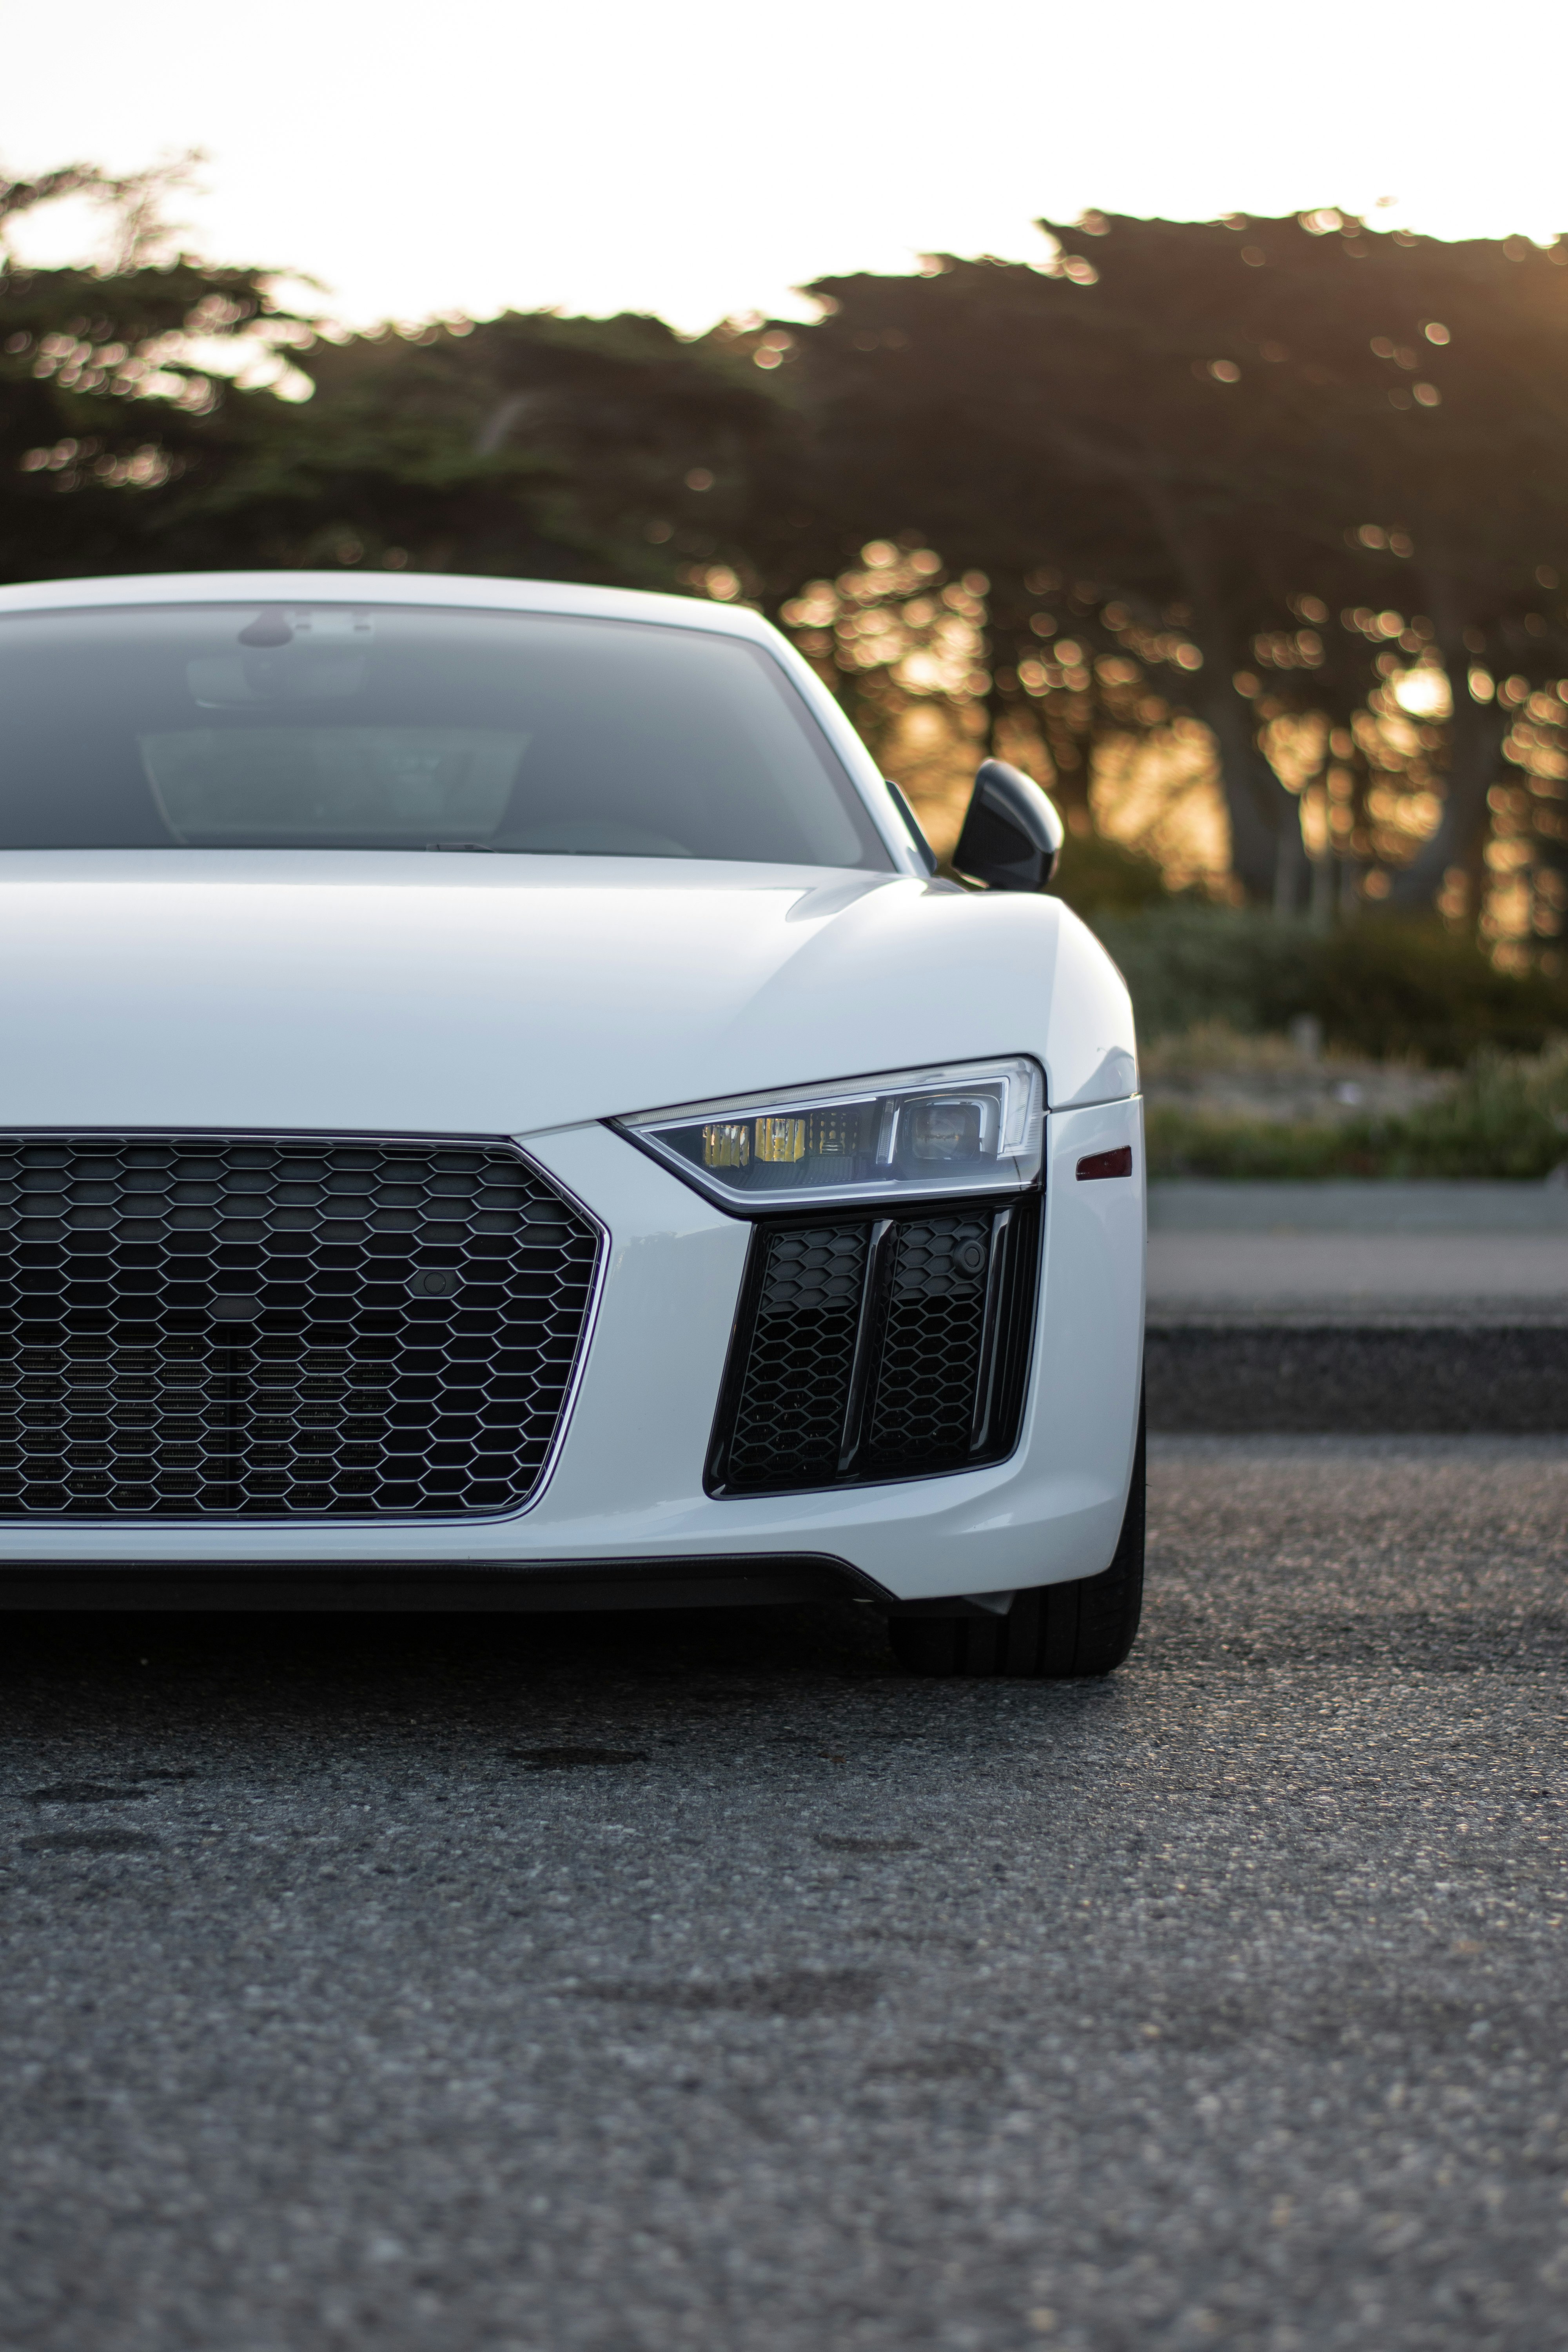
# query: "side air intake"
{"points": [[877, 1348]]}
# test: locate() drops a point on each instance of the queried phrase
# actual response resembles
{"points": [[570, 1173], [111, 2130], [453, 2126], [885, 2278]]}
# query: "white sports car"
{"points": [[499, 1112]]}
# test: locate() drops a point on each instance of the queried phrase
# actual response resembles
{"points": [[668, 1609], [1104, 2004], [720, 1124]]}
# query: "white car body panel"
{"points": [[535, 997], [338, 989]]}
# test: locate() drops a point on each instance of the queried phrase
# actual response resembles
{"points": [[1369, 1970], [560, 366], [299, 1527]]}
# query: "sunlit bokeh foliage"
{"points": [[1302, 481], [1248, 537]]}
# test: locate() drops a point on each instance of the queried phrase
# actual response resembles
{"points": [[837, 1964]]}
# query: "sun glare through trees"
{"points": [[1249, 537]]}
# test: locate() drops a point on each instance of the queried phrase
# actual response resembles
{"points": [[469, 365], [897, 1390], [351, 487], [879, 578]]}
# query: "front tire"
{"points": [[1054, 1633]]}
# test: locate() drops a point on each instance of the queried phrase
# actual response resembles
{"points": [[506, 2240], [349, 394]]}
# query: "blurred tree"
{"points": [[575, 449], [139, 429], [1236, 454], [1304, 483], [112, 380]]}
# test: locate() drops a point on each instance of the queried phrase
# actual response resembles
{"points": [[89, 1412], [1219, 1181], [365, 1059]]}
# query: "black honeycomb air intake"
{"points": [[196, 1326], [789, 1415], [877, 1348]]}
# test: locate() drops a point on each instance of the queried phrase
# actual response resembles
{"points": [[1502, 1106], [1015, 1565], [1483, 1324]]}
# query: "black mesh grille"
{"points": [[933, 1332], [194, 1326], [790, 1421], [886, 1348]]}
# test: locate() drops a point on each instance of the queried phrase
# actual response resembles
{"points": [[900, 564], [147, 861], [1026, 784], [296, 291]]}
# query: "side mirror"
{"points": [[1011, 833]]}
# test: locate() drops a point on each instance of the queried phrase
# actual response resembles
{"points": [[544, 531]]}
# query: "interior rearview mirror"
{"points": [[1011, 833]]}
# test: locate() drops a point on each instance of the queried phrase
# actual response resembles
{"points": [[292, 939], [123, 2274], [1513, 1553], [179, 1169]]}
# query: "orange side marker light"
{"points": [[1106, 1163]]}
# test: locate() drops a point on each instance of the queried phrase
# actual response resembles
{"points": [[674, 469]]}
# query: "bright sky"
{"points": [[703, 157]]}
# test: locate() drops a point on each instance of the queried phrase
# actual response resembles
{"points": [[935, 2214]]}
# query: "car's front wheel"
{"points": [[1056, 1630]]}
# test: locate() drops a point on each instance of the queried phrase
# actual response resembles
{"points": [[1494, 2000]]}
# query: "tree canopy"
{"points": [[1322, 457], [1296, 483]]}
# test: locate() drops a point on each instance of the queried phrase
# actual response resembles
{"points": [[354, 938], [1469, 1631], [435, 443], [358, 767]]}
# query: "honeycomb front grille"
{"points": [[196, 1327], [877, 1348]]}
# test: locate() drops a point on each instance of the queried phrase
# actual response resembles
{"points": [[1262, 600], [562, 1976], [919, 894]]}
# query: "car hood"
{"points": [[393, 992]]}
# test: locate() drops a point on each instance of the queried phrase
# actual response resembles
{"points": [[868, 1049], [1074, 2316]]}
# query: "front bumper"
{"points": [[626, 1500]]}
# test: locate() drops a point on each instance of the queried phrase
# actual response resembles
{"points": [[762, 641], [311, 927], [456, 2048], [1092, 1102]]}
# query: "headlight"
{"points": [[976, 1127]]}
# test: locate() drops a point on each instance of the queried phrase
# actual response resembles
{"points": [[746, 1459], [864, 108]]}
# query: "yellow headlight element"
{"points": [[727, 1143], [780, 1139]]}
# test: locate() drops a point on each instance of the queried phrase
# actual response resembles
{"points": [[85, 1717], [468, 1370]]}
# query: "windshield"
{"points": [[293, 726]]}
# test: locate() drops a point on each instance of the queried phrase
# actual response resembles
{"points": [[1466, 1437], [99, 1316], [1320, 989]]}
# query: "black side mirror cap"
{"points": [[1012, 834], [926, 853]]}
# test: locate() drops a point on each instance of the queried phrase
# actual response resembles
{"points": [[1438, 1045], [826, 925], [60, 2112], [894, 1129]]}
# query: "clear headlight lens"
{"points": [[975, 1126]]}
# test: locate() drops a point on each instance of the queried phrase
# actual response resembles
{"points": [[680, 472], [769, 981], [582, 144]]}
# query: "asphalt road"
{"points": [[702, 1983], [1496, 1275]]}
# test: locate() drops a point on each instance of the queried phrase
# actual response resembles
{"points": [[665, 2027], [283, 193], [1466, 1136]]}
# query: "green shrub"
{"points": [[1189, 964], [1507, 1118], [1094, 873], [1381, 986], [1386, 987]]}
